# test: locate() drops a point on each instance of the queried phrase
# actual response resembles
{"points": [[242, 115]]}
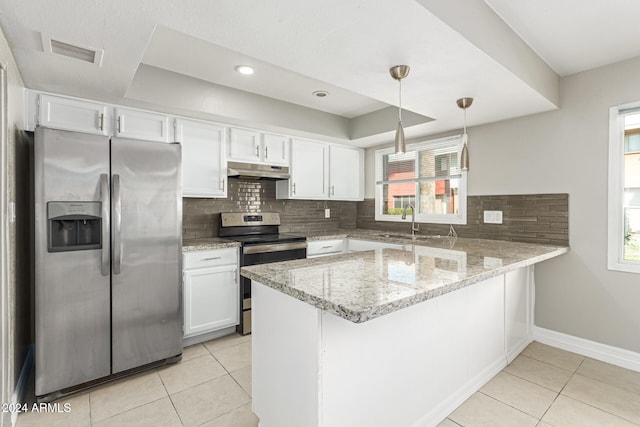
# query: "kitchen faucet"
{"points": [[414, 227]]}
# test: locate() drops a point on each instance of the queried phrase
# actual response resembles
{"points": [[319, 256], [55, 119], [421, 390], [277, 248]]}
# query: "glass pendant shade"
{"points": [[464, 103], [400, 145], [399, 72], [464, 155]]}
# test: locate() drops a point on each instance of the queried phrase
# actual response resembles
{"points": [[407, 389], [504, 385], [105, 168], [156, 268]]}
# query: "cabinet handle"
{"points": [[120, 123], [222, 184], [266, 152], [211, 258], [294, 188], [257, 151], [235, 276], [101, 121], [333, 190], [327, 247]]}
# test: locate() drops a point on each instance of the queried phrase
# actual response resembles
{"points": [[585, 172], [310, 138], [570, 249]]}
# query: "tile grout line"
{"points": [[170, 399], [597, 407], [510, 406], [563, 387], [528, 380]]}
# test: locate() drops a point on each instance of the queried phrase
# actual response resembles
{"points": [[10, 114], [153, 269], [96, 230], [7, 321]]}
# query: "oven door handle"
{"points": [[274, 247]]}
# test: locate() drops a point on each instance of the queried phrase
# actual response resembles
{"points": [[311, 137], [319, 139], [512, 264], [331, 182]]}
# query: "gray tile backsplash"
{"points": [[201, 216], [531, 218]]}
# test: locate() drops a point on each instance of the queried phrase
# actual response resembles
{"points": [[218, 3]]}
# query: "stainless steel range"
{"points": [[261, 243]]}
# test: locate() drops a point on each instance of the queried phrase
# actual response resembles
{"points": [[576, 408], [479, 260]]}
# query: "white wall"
{"points": [[565, 151], [8, 363]]}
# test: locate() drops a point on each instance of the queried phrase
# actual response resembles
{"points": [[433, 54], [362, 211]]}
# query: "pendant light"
{"points": [[399, 72], [464, 103]]}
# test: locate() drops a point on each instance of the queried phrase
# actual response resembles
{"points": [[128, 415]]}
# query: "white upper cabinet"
{"points": [[204, 164], [275, 149], [244, 145], [72, 114], [309, 170], [138, 124], [346, 173], [249, 146]]}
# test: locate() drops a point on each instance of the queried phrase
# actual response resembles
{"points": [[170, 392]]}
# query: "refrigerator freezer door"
{"points": [[72, 322], [147, 262]]}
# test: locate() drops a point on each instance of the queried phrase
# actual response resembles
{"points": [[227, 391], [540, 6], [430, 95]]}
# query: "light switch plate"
{"points": [[493, 217], [327, 213]]}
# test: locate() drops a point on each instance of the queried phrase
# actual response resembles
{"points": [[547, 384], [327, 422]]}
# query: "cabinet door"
{"points": [[204, 165], [308, 170], [346, 173], [275, 149], [73, 115], [141, 125], [210, 299], [244, 145]]}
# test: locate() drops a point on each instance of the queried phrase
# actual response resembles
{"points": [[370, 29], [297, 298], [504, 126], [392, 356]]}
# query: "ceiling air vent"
{"points": [[86, 54]]}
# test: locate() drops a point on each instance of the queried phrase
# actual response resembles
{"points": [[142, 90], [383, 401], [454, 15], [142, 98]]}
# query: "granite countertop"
{"points": [[361, 286], [208, 243]]}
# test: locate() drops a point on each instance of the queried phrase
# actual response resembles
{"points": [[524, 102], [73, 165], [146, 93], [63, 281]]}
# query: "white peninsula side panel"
{"points": [[411, 367]]}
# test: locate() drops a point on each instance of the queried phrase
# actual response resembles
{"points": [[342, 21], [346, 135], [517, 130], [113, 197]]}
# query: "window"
{"points": [[624, 189], [428, 177]]}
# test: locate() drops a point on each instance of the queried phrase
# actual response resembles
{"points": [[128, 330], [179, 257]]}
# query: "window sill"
{"points": [[422, 219]]}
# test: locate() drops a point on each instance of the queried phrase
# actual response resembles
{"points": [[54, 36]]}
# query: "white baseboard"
{"points": [[603, 352], [446, 407]]}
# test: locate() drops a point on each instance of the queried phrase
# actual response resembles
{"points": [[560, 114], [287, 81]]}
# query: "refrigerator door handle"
{"points": [[104, 198], [117, 224]]}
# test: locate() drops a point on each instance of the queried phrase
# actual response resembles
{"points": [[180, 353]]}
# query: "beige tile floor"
{"points": [[546, 386], [211, 387]]}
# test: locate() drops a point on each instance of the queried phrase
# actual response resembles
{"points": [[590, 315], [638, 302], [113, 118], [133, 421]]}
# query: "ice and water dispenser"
{"points": [[74, 226]]}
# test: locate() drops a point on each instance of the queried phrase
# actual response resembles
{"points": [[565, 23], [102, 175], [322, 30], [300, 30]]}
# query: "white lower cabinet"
{"points": [[318, 248], [211, 290]]}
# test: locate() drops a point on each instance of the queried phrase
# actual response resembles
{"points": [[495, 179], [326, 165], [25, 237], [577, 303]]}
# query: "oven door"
{"points": [[263, 254]]}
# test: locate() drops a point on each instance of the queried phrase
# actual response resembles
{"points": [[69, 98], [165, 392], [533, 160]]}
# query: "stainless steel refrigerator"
{"points": [[108, 237]]}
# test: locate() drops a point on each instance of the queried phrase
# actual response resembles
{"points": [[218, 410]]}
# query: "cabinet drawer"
{"points": [[325, 247], [210, 258]]}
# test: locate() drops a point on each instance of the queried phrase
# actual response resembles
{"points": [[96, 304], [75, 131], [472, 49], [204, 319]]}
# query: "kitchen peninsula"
{"points": [[393, 336]]}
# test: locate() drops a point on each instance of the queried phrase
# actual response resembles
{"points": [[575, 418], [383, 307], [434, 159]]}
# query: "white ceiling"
{"points": [[575, 35], [455, 49]]}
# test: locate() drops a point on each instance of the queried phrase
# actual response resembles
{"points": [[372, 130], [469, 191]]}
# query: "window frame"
{"points": [[459, 218], [615, 212]]}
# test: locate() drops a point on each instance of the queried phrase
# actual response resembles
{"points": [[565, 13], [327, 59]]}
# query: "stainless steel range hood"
{"points": [[256, 171]]}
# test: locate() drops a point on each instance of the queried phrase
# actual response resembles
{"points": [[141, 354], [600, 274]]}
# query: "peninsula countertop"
{"points": [[361, 286]]}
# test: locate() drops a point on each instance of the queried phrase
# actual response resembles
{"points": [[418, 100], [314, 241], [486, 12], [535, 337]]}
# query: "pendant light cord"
{"points": [[465, 120], [400, 101]]}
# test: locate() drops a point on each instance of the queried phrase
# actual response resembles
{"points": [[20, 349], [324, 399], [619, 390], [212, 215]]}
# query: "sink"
{"points": [[408, 236], [394, 236]]}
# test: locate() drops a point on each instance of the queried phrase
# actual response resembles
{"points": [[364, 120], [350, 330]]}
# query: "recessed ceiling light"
{"points": [[244, 69], [320, 93]]}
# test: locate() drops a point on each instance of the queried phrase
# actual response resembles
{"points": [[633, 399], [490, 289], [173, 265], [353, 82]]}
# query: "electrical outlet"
{"points": [[493, 217], [327, 213]]}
